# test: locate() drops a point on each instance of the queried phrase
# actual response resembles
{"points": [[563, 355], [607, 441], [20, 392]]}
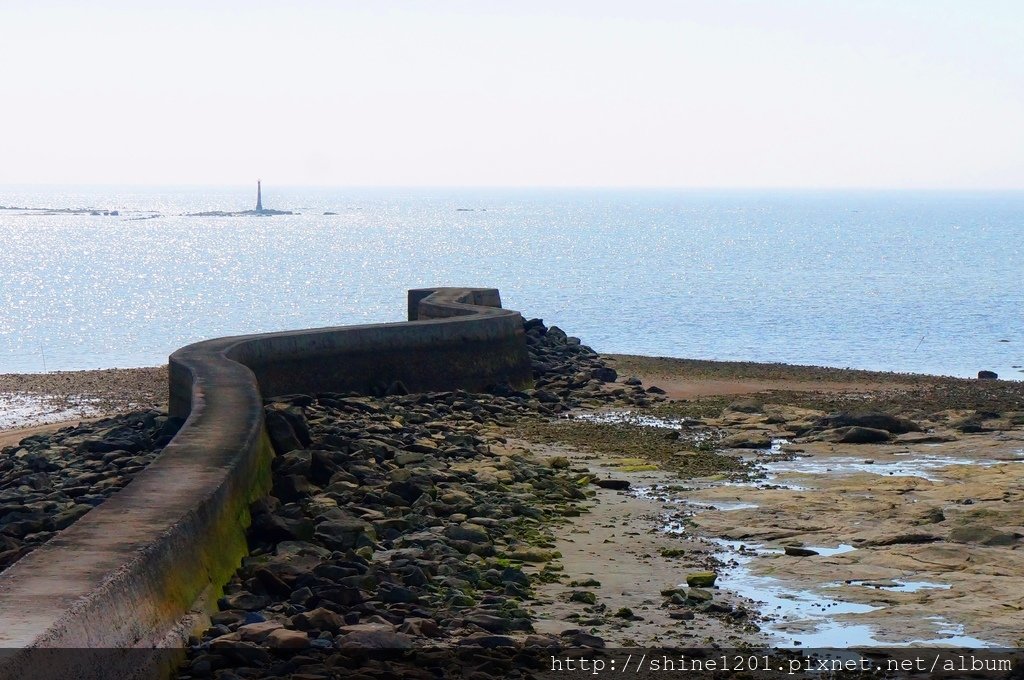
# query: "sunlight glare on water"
{"points": [[922, 282]]}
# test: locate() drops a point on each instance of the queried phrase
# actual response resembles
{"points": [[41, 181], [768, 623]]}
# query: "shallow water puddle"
{"points": [[807, 617], [925, 467], [664, 494], [696, 431], [23, 410], [633, 418], [788, 606], [893, 585]]}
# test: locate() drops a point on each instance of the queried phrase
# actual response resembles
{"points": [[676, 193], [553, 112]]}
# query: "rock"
{"points": [[584, 596], [489, 622], [559, 462], [654, 389], [579, 638], [747, 440], [282, 638], [795, 551], [318, 619], [616, 484], [969, 425], [701, 579], [872, 420], [604, 374], [408, 457], [858, 435], [987, 375], [341, 534], [245, 600], [282, 436], [533, 555], [931, 516], [983, 535], [699, 595], [486, 641], [257, 632], [467, 532], [417, 627], [910, 537], [681, 615], [377, 638], [747, 406]]}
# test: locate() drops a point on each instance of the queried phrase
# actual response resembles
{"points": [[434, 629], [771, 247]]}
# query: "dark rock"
{"points": [[616, 484], [341, 534], [489, 622], [859, 435], [747, 406], [487, 641], [376, 638], [318, 619], [873, 420], [795, 551], [282, 435], [987, 375]]}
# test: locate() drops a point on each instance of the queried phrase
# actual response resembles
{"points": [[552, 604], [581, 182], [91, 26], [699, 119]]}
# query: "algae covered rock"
{"points": [[701, 579]]}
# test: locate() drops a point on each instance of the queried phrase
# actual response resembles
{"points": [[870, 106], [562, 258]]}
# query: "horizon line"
{"points": [[550, 187]]}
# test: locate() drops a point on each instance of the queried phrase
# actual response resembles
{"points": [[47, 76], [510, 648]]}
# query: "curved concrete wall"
{"points": [[135, 571]]}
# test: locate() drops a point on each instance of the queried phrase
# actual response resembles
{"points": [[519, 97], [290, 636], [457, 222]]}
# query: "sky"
{"points": [[720, 93]]}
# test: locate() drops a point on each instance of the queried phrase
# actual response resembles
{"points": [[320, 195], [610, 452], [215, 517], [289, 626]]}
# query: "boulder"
{"points": [[616, 484], [858, 435], [701, 579], [282, 638], [795, 551], [873, 420], [747, 440]]}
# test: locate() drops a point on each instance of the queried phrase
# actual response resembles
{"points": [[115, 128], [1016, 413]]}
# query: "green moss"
{"points": [[646, 448]]}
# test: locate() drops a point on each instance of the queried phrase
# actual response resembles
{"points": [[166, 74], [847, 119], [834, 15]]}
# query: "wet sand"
{"points": [[32, 399]]}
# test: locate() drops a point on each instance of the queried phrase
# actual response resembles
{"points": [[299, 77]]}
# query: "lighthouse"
{"points": [[259, 197]]}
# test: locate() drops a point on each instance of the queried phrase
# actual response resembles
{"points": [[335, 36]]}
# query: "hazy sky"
{"points": [[778, 93]]}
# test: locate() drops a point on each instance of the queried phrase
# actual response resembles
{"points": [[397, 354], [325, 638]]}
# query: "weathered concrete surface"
{"points": [[130, 572]]}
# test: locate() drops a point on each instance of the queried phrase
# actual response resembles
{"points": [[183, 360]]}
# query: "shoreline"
{"points": [[49, 400], [691, 506], [62, 397]]}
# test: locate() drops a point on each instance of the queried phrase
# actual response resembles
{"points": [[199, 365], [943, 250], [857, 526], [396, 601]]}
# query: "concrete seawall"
{"points": [[139, 570]]}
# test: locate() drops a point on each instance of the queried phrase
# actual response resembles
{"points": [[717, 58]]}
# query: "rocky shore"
{"points": [[407, 521], [623, 501], [49, 481]]}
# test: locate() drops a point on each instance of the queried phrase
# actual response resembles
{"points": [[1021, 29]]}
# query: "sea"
{"points": [[926, 282]]}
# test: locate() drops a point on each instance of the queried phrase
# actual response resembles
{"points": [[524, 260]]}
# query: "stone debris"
{"points": [[49, 481]]}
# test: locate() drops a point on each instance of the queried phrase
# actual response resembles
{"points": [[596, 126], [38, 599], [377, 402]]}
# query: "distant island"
{"points": [[260, 210]]}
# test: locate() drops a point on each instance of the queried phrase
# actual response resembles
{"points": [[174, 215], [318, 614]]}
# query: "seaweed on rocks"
{"points": [[404, 521], [393, 522]]}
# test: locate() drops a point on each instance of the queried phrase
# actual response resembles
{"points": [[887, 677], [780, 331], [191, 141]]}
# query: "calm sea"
{"points": [[923, 282]]}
